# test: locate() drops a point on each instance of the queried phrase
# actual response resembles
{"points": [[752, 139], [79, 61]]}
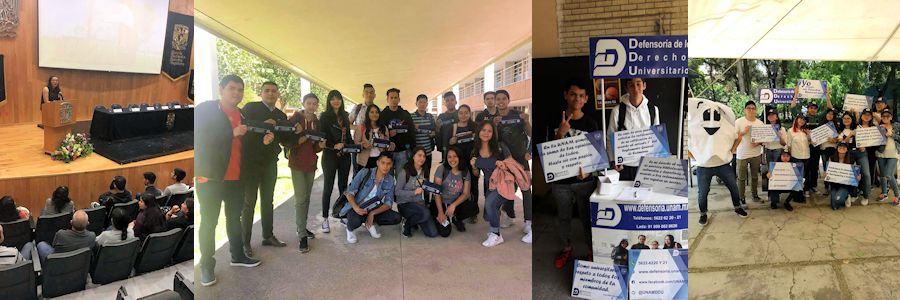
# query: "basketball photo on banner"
{"points": [[97, 160]]}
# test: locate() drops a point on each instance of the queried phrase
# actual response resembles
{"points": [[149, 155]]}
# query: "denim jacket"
{"points": [[895, 138], [386, 190]]}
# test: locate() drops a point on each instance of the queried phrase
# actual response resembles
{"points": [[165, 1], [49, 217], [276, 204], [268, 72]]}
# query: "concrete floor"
{"points": [[810, 253], [392, 267]]}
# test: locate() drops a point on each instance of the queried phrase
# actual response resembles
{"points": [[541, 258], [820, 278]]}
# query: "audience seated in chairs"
{"points": [[9, 212], [178, 187], [119, 231], [59, 202], [8, 255], [117, 193], [65, 240], [151, 219], [181, 216]]}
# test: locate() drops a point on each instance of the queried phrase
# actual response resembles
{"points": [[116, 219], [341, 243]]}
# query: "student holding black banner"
{"points": [[425, 126], [490, 108], [451, 205], [514, 130], [411, 201], [887, 156], [259, 167], [775, 195], [576, 190], [635, 112], [445, 121], [840, 192], [218, 170], [369, 199], [399, 127], [367, 133], [335, 125], [302, 159]]}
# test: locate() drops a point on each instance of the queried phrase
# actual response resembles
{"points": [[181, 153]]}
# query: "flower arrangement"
{"points": [[75, 145]]}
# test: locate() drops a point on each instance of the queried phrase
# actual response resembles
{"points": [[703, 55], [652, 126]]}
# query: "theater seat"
{"points": [[157, 251], [185, 249], [65, 272], [115, 106], [177, 199], [130, 207], [18, 281], [113, 262], [17, 233], [99, 107], [48, 225], [96, 219], [183, 286]]}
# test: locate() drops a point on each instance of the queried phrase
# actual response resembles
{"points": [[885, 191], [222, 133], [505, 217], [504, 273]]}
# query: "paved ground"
{"points": [[392, 267], [810, 253]]}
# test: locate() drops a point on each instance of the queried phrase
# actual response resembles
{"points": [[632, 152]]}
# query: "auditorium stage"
{"points": [[30, 176]]}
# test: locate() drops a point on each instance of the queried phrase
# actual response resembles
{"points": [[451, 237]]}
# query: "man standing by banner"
{"points": [[633, 112], [259, 166]]}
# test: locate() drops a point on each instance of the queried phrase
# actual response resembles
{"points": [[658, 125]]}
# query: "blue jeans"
{"points": [[418, 214], [865, 183], [492, 204], [704, 177], [888, 168], [839, 193], [400, 158]]}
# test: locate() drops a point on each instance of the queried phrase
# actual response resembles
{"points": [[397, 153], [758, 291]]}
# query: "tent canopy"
{"points": [[861, 30], [420, 47]]}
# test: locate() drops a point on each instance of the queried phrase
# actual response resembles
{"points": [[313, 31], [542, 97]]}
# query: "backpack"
{"points": [[621, 125], [342, 200]]}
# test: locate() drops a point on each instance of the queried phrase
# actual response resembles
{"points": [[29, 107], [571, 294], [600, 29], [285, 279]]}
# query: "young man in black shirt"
{"points": [[400, 128], [515, 133], [490, 108], [576, 190], [259, 169], [445, 121]]}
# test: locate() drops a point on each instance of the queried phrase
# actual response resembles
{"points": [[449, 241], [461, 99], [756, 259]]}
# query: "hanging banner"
{"points": [[178, 44], [661, 56], [776, 96]]}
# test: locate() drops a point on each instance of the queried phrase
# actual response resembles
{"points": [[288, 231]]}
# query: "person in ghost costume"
{"points": [[711, 136]]}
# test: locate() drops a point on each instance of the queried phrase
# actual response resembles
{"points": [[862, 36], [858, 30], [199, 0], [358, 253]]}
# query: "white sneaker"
{"points": [[492, 240], [373, 231], [849, 202], [527, 238], [527, 228], [351, 237], [505, 221], [864, 201], [326, 228]]}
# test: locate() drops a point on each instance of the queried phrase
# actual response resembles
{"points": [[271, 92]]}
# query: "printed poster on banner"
{"points": [[857, 102], [598, 281], [786, 176], [823, 133], [842, 173], [621, 226], [812, 89], [663, 175], [658, 274], [639, 56], [775, 96], [562, 158], [870, 136], [651, 141], [607, 90], [766, 133]]}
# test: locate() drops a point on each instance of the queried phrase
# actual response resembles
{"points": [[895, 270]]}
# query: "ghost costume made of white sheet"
{"points": [[711, 132]]}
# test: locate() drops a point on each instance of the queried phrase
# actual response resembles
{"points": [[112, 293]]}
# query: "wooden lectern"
{"points": [[58, 118]]}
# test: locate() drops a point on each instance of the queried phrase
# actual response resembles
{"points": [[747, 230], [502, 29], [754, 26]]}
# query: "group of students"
{"points": [[389, 150], [795, 145], [150, 219]]}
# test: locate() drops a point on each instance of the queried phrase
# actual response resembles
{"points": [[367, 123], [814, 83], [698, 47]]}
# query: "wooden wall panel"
{"points": [[24, 79], [84, 188]]}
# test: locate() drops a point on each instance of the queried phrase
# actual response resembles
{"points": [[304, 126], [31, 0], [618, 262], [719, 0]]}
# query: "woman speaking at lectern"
{"points": [[51, 92]]}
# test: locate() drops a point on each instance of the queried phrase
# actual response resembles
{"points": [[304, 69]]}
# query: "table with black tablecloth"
{"points": [[111, 126]]}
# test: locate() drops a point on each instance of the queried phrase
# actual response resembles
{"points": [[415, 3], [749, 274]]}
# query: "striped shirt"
{"points": [[424, 140]]}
